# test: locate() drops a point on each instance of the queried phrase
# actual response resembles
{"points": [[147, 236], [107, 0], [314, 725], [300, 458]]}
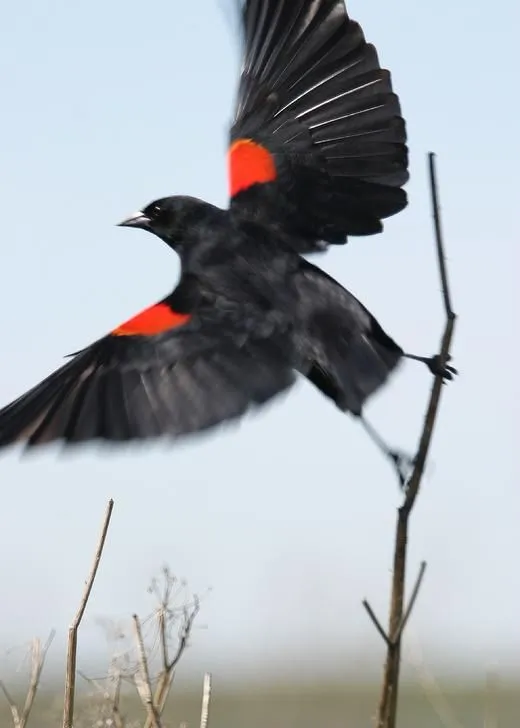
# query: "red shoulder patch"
{"points": [[249, 163], [153, 320]]}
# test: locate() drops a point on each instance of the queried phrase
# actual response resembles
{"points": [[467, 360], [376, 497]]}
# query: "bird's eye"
{"points": [[156, 210]]}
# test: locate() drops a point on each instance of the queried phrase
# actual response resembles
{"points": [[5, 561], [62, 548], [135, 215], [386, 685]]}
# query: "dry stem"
{"points": [[113, 699], [206, 698], [72, 645], [152, 687], [167, 675], [142, 677], [398, 614], [38, 656]]}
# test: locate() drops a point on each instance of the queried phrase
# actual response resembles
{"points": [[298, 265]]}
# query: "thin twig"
{"points": [[189, 618], [387, 711], [429, 423], [206, 699], [142, 677], [12, 705], [163, 637], [94, 682], [377, 623], [72, 646], [116, 714], [168, 672], [161, 694], [411, 604], [102, 690], [439, 240], [38, 656], [38, 661], [392, 642], [166, 676]]}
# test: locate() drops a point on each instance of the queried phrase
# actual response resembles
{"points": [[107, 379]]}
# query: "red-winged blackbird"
{"points": [[317, 153]]}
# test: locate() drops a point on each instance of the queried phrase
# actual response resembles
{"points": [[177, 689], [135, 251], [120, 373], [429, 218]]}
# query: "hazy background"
{"points": [[290, 518]]}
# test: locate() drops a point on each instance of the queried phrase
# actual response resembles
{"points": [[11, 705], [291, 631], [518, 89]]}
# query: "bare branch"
{"points": [[12, 705], [151, 641], [112, 699], [142, 677], [164, 638], [439, 241], [37, 663], [398, 616], [391, 642], [161, 694], [206, 698], [412, 490], [413, 599], [189, 618], [377, 623], [118, 719], [38, 656], [72, 646], [168, 672], [94, 682]]}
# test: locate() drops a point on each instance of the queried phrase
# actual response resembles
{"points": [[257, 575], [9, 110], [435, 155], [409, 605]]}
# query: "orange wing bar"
{"points": [[153, 320], [249, 163]]}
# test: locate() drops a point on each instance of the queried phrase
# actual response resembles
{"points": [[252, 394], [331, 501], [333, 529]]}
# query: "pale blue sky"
{"points": [[290, 518]]}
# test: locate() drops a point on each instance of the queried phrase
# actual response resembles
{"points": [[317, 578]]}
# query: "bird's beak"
{"points": [[137, 220]]}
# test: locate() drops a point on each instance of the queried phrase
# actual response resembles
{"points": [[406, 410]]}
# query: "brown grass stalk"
{"points": [[38, 655], [72, 645]]}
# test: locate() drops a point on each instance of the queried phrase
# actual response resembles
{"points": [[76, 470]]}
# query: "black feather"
{"points": [[345, 351], [313, 93], [141, 387]]}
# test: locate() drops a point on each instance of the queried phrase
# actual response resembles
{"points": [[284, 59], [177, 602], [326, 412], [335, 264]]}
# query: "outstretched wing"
{"points": [[318, 144], [160, 373]]}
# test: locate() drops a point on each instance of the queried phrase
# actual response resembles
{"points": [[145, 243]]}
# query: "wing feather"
{"points": [[136, 387], [314, 99]]}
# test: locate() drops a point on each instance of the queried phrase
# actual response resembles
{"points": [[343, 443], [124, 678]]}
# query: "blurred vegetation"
{"points": [[304, 706], [149, 652]]}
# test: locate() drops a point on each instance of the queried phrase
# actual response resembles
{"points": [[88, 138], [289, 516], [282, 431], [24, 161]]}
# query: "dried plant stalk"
{"points": [[72, 645], [399, 615]]}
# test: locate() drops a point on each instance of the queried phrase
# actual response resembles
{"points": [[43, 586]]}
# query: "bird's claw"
{"points": [[404, 465], [447, 372]]}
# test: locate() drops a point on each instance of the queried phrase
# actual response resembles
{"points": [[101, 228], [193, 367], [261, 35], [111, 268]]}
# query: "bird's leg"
{"points": [[434, 365], [402, 462]]}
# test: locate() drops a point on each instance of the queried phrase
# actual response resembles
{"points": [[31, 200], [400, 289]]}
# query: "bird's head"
{"points": [[164, 217], [180, 221]]}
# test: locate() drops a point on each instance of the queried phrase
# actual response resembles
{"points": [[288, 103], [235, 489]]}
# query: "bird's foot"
{"points": [[404, 465], [401, 461], [447, 372]]}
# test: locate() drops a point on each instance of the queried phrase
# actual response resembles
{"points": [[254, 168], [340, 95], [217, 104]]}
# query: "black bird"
{"points": [[317, 153]]}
